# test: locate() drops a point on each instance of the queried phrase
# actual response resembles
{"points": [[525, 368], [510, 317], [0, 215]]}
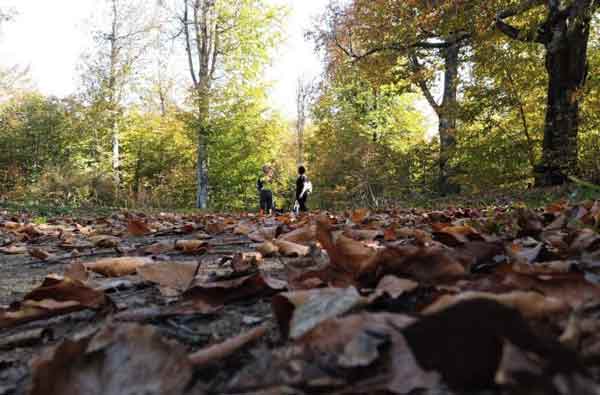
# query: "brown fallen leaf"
{"points": [[175, 275], [358, 216], [137, 227], [362, 234], [190, 246], [219, 293], [469, 352], [530, 304], [288, 248], [117, 267], [456, 235], [424, 264], [40, 253], [267, 248], [56, 296], [243, 229], [127, 358], [222, 350], [304, 235], [394, 286], [344, 253], [299, 312], [14, 250], [159, 248], [105, 241], [77, 271], [245, 261]]}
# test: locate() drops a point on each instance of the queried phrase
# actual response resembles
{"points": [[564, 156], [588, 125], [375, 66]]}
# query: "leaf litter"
{"points": [[398, 301]]}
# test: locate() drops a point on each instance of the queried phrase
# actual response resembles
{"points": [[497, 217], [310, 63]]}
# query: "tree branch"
{"points": [[417, 67], [188, 44], [515, 33]]}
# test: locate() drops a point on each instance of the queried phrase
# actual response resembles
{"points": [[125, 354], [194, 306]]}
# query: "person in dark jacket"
{"points": [[303, 188], [264, 186]]}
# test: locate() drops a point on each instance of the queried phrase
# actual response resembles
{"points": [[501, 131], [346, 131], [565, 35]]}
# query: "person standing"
{"points": [[264, 186], [303, 188]]}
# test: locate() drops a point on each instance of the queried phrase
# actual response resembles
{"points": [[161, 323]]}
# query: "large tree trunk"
{"points": [[566, 62], [447, 113]]}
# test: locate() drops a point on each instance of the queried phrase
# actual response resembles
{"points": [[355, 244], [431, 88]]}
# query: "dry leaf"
{"points": [[299, 312], [55, 296], [117, 267], [39, 253], [191, 246], [530, 304], [304, 235], [288, 248], [219, 351], [128, 359], [105, 241], [14, 250], [176, 275], [267, 249], [137, 227]]}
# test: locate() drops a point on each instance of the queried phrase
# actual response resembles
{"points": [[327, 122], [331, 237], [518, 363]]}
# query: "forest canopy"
{"points": [[173, 108]]}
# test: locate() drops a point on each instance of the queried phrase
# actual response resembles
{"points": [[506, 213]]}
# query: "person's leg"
{"points": [[263, 202], [302, 203], [269, 202]]}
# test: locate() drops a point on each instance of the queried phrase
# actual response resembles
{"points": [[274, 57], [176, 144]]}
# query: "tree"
{"points": [[112, 68], [304, 93], [224, 41], [564, 32], [417, 36]]}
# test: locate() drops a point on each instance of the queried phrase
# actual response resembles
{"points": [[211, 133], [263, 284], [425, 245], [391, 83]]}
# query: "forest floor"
{"points": [[496, 300]]}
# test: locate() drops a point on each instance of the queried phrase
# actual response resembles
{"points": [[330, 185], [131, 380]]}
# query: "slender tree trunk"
{"points": [[447, 113], [566, 63], [202, 154]]}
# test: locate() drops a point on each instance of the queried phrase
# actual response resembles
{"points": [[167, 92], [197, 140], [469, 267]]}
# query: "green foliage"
{"points": [[367, 145]]}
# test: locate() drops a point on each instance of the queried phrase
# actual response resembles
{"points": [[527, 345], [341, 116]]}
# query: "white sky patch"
{"points": [[50, 36]]}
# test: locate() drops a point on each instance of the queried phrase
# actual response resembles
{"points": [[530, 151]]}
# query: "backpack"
{"points": [[308, 188]]}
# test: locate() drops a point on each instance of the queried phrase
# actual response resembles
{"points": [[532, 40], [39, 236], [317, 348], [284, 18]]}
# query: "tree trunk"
{"points": [[202, 154], [447, 113], [566, 63]]}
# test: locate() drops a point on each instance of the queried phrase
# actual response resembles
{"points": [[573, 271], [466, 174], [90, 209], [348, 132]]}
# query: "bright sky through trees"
{"points": [[50, 36]]}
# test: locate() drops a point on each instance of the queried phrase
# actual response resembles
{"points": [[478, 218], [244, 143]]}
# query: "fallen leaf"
{"points": [[14, 250], [190, 246], [159, 248], [40, 253], [117, 267], [219, 293], [222, 350], [118, 359], [267, 248], [358, 216], [245, 261], [137, 227], [299, 312], [105, 241], [530, 304], [176, 275], [304, 235], [469, 352], [288, 248], [54, 297], [395, 286]]}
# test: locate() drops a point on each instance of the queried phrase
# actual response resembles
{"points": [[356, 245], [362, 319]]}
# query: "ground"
{"points": [[348, 301]]}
